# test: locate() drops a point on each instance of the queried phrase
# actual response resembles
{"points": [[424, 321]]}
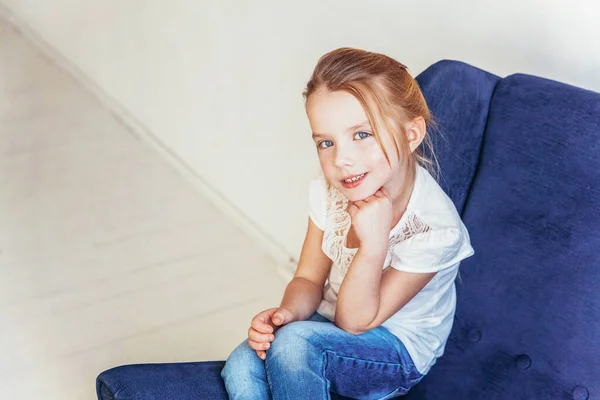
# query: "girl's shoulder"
{"points": [[432, 235], [431, 203]]}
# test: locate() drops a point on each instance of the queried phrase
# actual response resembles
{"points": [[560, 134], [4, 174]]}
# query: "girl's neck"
{"points": [[401, 200]]}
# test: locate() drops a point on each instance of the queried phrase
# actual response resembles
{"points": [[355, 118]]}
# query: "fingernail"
{"points": [[266, 346]]}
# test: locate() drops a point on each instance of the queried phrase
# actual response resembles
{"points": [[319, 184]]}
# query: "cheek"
{"points": [[327, 166], [324, 160], [377, 160]]}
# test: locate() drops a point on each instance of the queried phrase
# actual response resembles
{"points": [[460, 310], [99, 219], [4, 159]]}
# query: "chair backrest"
{"points": [[528, 315], [458, 96]]}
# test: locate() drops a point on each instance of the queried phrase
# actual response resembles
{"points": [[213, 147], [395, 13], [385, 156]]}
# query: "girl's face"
{"points": [[350, 156]]}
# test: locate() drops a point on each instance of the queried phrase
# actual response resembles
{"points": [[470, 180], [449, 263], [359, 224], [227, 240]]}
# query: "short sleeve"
{"points": [[431, 251], [317, 202]]}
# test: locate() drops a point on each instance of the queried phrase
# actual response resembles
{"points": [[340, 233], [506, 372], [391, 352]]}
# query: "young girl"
{"points": [[372, 302]]}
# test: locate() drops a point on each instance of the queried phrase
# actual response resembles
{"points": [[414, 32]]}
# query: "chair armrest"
{"points": [[182, 381]]}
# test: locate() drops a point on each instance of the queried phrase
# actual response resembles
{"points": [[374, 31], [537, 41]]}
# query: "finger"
{"points": [[278, 319], [261, 354], [281, 317], [254, 345], [380, 194], [385, 192], [260, 337], [261, 326], [258, 346], [264, 316]]}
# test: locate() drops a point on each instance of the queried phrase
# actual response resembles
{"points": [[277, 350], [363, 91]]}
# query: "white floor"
{"points": [[107, 256]]}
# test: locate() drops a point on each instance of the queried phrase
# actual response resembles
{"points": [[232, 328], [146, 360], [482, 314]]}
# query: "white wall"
{"points": [[220, 82]]}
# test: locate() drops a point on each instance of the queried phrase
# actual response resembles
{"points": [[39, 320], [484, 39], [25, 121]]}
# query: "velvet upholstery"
{"points": [[527, 323], [458, 96]]}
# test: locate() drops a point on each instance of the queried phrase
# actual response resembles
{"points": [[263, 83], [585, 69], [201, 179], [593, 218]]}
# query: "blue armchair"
{"points": [[520, 157]]}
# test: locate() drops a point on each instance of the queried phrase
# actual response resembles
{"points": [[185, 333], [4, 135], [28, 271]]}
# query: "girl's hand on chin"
{"points": [[372, 220]]}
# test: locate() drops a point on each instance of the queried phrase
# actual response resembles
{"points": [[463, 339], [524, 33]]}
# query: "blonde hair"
{"points": [[390, 96]]}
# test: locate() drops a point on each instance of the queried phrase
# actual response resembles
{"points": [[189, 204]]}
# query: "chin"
{"points": [[357, 194]]}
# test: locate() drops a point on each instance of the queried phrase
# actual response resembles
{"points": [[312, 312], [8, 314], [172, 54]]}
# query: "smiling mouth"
{"points": [[353, 181], [354, 178]]}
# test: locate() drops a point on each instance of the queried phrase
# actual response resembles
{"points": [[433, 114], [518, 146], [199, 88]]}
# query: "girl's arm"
{"points": [[369, 296], [303, 294]]}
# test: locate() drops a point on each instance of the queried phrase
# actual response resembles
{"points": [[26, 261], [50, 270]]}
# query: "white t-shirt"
{"points": [[430, 237]]}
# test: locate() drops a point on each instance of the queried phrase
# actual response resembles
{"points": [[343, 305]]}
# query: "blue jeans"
{"points": [[314, 358]]}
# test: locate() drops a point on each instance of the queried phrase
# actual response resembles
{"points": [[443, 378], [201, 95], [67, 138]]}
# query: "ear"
{"points": [[416, 131]]}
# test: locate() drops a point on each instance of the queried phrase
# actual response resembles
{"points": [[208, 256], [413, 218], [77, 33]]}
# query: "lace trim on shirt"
{"points": [[338, 225], [413, 225]]}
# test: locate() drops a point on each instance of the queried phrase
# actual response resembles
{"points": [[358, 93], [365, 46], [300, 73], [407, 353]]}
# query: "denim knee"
{"points": [[290, 350], [243, 373]]}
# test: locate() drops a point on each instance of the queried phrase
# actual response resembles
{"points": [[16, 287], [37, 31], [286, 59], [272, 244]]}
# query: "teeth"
{"points": [[354, 179]]}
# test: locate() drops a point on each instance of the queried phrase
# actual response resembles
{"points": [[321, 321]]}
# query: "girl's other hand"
{"points": [[263, 327]]}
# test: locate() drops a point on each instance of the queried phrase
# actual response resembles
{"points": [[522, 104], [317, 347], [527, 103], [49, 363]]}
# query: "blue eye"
{"points": [[362, 135], [325, 143]]}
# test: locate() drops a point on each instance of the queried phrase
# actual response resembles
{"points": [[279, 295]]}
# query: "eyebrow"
{"points": [[352, 128]]}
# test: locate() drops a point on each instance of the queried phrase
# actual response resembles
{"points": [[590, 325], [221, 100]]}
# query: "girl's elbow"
{"points": [[352, 329], [356, 332]]}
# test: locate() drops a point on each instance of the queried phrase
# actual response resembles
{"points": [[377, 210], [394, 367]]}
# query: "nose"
{"points": [[343, 157]]}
